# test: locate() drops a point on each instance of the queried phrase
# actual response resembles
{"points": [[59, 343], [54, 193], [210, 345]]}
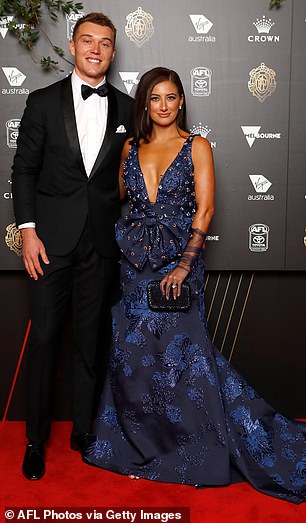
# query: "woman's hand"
{"points": [[173, 280]]}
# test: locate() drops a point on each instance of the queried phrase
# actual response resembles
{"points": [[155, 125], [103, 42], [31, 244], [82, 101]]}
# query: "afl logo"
{"points": [[200, 81]]}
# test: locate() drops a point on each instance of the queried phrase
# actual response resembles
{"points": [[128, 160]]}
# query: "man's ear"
{"points": [[114, 54], [71, 47]]}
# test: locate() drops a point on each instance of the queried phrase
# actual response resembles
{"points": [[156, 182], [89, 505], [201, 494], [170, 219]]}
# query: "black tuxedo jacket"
{"points": [[49, 182]]}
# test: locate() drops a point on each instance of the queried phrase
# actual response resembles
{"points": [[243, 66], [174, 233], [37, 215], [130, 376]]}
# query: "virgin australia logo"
{"points": [[14, 76], [129, 80], [139, 28], [202, 26], [263, 26], [261, 185]]}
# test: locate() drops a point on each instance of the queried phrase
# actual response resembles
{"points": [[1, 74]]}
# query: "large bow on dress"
{"points": [[153, 237]]}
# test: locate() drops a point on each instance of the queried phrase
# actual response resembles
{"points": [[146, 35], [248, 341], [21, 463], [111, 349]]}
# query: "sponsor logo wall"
{"points": [[243, 70]]}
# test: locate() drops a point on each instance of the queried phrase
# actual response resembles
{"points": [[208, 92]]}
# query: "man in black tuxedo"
{"points": [[66, 201]]}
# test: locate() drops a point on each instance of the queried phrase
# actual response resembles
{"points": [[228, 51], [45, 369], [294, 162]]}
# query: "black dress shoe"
{"points": [[80, 442], [33, 466]]}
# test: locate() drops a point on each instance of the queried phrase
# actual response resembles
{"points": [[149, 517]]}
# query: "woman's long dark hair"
{"points": [[142, 121]]}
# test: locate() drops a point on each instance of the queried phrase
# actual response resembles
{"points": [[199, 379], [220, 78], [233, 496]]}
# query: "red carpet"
{"points": [[70, 483]]}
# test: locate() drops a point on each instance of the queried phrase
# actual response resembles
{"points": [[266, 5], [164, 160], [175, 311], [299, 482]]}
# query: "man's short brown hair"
{"points": [[95, 18]]}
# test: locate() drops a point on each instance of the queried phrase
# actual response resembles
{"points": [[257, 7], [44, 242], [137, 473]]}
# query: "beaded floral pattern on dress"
{"points": [[173, 408]]}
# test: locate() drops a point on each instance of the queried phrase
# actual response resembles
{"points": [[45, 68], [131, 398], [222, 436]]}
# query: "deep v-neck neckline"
{"points": [[162, 176]]}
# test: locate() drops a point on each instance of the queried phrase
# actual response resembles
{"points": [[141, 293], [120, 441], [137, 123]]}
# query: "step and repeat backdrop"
{"points": [[243, 68]]}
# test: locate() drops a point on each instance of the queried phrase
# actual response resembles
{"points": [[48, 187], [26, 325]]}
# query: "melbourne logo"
{"points": [[14, 76], [258, 237], [139, 28], [263, 26], [262, 82], [200, 81], [202, 27], [4, 21], [129, 80], [261, 185], [251, 132], [12, 132], [71, 21], [203, 130], [13, 239], [4, 25]]}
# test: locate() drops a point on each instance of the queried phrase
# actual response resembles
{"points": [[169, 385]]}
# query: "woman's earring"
{"points": [[180, 107], [145, 108]]}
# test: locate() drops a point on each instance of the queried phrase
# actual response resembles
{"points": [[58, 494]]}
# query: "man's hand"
{"points": [[32, 250]]}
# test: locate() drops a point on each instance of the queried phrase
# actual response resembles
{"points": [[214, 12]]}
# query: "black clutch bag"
{"points": [[157, 301]]}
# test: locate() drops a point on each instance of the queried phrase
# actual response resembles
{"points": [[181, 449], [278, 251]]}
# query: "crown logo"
{"points": [[264, 25], [201, 129]]}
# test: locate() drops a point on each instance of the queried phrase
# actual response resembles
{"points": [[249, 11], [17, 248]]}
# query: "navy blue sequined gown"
{"points": [[173, 409]]}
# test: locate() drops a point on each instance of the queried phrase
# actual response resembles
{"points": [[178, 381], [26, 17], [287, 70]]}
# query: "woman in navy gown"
{"points": [[173, 409]]}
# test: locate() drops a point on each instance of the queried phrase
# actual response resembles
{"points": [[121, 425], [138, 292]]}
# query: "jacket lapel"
{"points": [[70, 121], [111, 126]]}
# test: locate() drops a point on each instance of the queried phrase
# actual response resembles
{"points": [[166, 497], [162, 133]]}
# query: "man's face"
{"points": [[93, 51]]}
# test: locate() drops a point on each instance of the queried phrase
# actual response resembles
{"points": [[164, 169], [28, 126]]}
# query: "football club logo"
{"points": [[139, 28], [129, 80], [4, 21], [12, 132], [200, 81], [14, 76], [258, 237], [262, 82], [13, 239], [201, 24]]}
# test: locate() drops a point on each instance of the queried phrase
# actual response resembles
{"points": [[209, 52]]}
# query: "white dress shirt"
{"points": [[91, 118]]}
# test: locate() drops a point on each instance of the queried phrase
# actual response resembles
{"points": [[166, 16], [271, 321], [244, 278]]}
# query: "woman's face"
{"points": [[165, 103]]}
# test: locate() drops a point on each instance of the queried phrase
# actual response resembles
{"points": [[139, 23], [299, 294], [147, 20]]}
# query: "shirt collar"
{"points": [[76, 82]]}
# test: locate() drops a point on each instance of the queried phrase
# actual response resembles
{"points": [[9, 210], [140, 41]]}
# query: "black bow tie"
{"points": [[86, 90]]}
